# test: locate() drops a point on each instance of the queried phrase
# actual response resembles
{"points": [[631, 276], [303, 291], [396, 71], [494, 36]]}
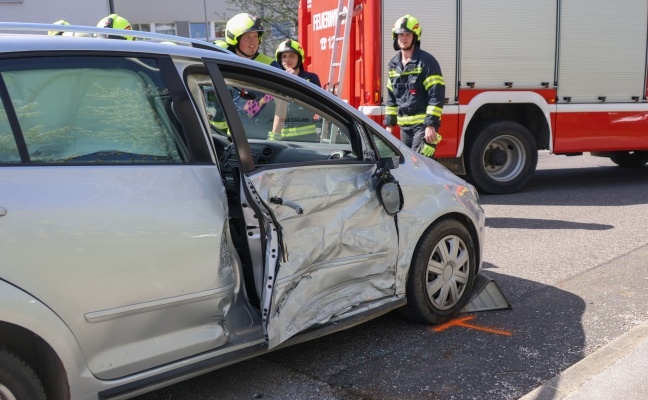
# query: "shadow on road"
{"points": [[596, 186], [530, 223]]}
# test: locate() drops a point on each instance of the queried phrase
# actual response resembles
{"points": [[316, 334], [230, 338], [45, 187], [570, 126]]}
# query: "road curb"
{"points": [[574, 377]]}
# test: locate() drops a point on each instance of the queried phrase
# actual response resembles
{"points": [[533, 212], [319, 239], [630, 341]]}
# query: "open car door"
{"points": [[311, 207]]}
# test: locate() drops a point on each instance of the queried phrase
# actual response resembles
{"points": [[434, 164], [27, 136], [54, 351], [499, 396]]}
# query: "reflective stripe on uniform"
{"points": [[405, 120], [415, 71], [433, 80], [298, 131], [222, 125], [433, 110], [391, 110]]}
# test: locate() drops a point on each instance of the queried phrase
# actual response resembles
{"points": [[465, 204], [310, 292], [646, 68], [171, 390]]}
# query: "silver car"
{"points": [[150, 231]]}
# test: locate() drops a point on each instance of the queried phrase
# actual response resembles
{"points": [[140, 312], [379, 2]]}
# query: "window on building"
{"points": [[166, 28], [141, 27], [219, 29], [198, 30]]}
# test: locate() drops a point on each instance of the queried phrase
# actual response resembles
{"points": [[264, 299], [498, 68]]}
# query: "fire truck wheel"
{"points": [[501, 157], [17, 379], [442, 273], [630, 159]]}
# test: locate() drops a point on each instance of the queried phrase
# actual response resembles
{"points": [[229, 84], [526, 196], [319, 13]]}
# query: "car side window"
{"points": [[384, 150], [101, 110], [8, 148], [296, 128]]}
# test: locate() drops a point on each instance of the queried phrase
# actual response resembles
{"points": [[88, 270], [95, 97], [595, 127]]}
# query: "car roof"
{"points": [[28, 37]]}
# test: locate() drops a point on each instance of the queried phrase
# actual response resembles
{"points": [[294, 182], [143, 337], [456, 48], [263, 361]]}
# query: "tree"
{"points": [[279, 19]]}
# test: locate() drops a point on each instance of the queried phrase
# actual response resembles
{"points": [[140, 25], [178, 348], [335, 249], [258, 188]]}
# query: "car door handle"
{"points": [[3, 211], [282, 202]]}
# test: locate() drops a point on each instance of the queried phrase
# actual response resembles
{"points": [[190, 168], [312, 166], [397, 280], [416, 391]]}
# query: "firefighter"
{"points": [[291, 121], [290, 57], [58, 33], [415, 89], [243, 33], [115, 21]]}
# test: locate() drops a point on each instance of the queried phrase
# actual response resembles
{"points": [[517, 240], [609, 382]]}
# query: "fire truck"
{"points": [[567, 76]]}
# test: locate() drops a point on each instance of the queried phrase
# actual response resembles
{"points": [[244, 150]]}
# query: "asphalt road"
{"points": [[569, 252]]}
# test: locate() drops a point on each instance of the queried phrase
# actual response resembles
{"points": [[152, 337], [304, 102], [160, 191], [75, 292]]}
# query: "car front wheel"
{"points": [[442, 273], [17, 380]]}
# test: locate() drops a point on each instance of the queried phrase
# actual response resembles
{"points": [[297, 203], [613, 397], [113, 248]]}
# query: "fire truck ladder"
{"points": [[338, 59]]}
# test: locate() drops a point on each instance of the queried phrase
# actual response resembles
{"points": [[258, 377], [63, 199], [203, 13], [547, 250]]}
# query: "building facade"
{"points": [[76, 12], [198, 19]]}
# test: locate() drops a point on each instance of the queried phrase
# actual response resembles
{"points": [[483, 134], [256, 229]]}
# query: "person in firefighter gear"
{"points": [[290, 57], [291, 121], [58, 33], [115, 21], [415, 89], [243, 33]]}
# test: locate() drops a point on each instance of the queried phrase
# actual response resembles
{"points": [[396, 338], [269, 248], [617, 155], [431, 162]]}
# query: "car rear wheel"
{"points": [[442, 273], [17, 380]]}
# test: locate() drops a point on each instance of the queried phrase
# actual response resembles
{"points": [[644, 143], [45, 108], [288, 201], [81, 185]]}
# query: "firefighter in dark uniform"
{"points": [[293, 122], [415, 89]]}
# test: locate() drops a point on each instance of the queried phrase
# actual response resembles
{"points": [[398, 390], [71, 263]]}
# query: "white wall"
{"points": [[157, 11], [76, 12]]}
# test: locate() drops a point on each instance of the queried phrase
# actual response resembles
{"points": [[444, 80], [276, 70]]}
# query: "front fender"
{"points": [[431, 192]]}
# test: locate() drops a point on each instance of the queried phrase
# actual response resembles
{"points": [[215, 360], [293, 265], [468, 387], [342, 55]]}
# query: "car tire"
{"points": [[442, 273], [17, 380], [630, 159], [501, 157]]}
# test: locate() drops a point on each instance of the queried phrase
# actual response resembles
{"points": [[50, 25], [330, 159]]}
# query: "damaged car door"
{"points": [[329, 247]]}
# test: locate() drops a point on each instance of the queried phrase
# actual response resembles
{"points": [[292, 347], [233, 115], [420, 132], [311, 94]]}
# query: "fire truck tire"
{"points": [[501, 157], [17, 380], [442, 273], [630, 159]]}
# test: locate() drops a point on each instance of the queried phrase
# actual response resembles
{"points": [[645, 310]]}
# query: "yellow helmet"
{"points": [[114, 21], [290, 46], [407, 23], [240, 24], [57, 33]]}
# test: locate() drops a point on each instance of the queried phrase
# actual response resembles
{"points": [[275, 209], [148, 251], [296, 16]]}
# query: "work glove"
{"points": [[427, 149], [274, 136]]}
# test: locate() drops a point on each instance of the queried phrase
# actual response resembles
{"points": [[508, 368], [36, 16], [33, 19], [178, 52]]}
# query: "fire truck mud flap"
{"points": [[486, 296], [454, 164]]}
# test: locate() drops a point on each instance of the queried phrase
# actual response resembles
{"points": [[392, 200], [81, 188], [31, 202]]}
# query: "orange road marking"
{"points": [[462, 322]]}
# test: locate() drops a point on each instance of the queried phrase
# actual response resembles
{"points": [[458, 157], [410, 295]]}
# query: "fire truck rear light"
{"points": [[376, 96], [367, 97]]}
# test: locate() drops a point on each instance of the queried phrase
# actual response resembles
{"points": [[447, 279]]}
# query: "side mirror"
{"points": [[391, 196]]}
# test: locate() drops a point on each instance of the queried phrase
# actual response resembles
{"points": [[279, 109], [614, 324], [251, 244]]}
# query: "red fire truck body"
{"points": [[520, 76]]}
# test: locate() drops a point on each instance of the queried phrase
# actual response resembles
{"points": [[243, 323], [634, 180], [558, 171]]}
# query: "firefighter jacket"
{"points": [[310, 77], [262, 58], [415, 92]]}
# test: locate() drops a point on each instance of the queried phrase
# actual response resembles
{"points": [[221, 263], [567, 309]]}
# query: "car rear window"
{"points": [[90, 110]]}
